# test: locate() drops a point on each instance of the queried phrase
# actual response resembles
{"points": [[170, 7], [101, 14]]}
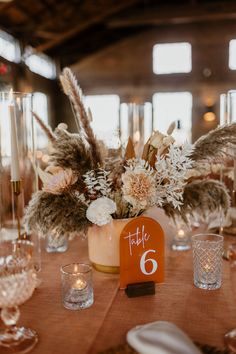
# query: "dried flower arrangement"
{"points": [[82, 186]]}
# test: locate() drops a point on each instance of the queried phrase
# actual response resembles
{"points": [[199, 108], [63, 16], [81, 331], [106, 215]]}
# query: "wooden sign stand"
{"points": [[142, 250]]}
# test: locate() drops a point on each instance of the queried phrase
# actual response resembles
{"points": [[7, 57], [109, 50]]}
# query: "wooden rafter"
{"points": [[100, 16], [177, 14], [76, 50]]}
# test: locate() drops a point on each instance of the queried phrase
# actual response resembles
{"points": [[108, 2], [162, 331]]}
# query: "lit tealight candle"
{"points": [[78, 292], [15, 167], [79, 284], [207, 268], [181, 233]]}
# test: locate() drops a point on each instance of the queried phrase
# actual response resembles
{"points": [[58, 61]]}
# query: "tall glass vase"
{"points": [[18, 176], [228, 169], [136, 122]]}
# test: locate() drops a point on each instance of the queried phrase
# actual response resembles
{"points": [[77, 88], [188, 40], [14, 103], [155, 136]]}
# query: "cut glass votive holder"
{"points": [[76, 286], [56, 244], [207, 260]]}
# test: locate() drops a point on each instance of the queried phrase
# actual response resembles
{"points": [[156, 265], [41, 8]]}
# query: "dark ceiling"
{"points": [[70, 30]]}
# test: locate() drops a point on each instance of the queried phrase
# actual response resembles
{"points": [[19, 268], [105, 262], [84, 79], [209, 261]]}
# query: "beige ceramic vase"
{"points": [[104, 245]]}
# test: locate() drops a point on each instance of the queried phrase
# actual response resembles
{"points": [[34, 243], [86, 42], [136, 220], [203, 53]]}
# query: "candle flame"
{"points": [[207, 268], [80, 284], [181, 233]]}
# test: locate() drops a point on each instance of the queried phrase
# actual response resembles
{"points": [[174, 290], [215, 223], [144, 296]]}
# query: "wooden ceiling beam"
{"points": [[79, 49], [46, 34], [83, 25], [176, 14], [32, 31]]}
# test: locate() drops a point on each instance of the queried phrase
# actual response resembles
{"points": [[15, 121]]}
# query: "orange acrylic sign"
{"points": [[142, 248]]}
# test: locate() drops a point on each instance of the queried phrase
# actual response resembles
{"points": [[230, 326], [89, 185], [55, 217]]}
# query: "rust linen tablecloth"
{"points": [[204, 315]]}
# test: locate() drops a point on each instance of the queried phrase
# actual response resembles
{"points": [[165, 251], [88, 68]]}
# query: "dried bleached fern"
{"points": [[206, 196], [62, 214], [47, 130], [73, 91], [212, 146], [202, 196], [70, 151]]}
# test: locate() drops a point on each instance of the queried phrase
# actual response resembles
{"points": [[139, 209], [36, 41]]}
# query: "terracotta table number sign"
{"points": [[142, 250]]}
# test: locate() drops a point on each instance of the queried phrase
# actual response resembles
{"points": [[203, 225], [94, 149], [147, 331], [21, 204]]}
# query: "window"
{"points": [[105, 112], [232, 54], [169, 58], [174, 106], [41, 64], [9, 47], [40, 106]]}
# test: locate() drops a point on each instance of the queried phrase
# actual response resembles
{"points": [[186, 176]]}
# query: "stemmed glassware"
{"points": [[17, 283]]}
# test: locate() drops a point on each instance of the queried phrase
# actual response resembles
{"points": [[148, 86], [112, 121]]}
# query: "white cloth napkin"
{"points": [[160, 338]]}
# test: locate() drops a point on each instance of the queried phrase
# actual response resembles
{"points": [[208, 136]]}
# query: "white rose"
{"points": [[100, 210]]}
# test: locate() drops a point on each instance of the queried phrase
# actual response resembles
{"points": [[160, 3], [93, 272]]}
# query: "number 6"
{"points": [[143, 261]]}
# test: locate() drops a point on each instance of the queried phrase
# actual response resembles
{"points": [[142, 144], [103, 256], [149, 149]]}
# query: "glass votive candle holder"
{"points": [[76, 286], [55, 244], [181, 239], [207, 260]]}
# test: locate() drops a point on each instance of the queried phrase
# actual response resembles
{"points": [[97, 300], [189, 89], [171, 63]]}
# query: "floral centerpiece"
{"points": [[84, 186]]}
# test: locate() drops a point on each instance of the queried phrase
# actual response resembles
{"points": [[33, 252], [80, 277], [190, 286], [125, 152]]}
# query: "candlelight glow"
{"points": [[181, 233], [80, 284], [207, 268]]}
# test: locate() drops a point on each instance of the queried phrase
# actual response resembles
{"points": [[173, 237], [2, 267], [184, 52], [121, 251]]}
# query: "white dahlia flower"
{"points": [[100, 210]]}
